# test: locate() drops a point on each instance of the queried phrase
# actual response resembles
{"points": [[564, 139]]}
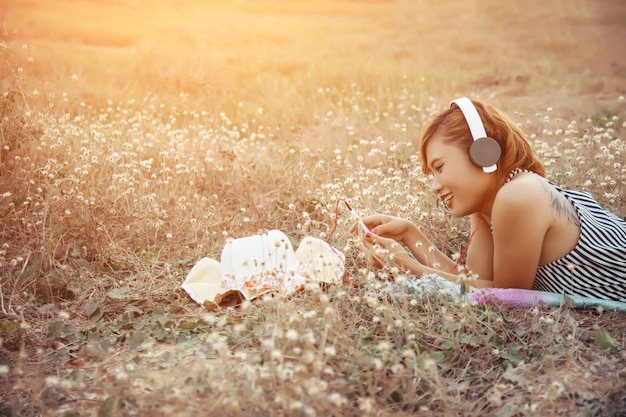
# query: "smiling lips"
{"points": [[447, 199]]}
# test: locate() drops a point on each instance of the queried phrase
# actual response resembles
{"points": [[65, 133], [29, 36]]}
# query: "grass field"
{"points": [[139, 135]]}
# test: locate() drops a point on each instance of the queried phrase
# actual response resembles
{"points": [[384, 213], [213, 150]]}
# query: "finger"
{"points": [[372, 253], [370, 241], [356, 229], [375, 251], [375, 240], [381, 226], [373, 221]]}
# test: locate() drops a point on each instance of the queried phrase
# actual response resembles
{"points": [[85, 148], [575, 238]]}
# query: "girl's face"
{"points": [[462, 186]]}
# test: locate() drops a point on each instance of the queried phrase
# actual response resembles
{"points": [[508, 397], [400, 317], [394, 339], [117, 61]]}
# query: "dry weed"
{"points": [[103, 210]]}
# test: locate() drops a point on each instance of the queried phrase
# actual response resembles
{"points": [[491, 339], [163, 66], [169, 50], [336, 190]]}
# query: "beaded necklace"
{"points": [[513, 173]]}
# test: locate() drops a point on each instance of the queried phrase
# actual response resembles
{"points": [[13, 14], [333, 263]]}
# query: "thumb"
{"points": [[378, 230]]}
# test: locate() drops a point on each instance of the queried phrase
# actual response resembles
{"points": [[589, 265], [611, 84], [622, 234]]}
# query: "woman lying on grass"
{"points": [[525, 231]]}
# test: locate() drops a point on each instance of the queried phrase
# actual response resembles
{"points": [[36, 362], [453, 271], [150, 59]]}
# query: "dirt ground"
{"points": [[567, 54], [573, 60], [576, 50], [610, 22]]}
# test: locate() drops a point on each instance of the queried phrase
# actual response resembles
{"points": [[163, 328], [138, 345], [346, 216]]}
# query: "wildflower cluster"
{"points": [[103, 210]]}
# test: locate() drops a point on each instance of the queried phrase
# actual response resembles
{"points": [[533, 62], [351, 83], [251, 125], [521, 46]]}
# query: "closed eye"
{"points": [[436, 164]]}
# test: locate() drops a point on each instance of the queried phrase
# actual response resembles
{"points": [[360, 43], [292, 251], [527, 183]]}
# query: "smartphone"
{"points": [[357, 218]]}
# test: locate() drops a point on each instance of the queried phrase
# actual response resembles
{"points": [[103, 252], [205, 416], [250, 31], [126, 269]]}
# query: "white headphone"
{"points": [[484, 151]]}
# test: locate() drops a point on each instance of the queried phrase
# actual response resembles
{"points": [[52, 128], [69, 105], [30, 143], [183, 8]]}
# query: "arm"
{"points": [[390, 235], [402, 231], [521, 216], [480, 249], [393, 253]]}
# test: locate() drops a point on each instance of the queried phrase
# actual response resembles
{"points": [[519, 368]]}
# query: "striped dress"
{"points": [[596, 267]]}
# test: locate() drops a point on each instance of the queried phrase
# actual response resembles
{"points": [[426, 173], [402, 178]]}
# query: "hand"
{"points": [[395, 228], [386, 251]]}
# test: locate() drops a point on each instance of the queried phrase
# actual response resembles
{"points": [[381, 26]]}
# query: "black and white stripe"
{"points": [[596, 267]]}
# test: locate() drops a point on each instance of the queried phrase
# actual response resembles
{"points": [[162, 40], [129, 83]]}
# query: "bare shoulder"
{"points": [[526, 191], [533, 195], [523, 202], [561, 207]]}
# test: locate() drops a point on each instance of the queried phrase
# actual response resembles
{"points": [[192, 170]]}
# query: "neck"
{"points": [[489, 198]]}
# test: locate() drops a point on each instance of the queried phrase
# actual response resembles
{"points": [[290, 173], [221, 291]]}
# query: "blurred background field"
{"points": [[138, 136], [268, 53], [144, 106]]}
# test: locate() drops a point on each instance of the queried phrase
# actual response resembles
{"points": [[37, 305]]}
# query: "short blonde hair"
{"points": [[516, 150]]}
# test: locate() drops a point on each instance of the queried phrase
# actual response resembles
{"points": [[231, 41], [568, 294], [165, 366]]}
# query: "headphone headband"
{"points": [[477, 129]]}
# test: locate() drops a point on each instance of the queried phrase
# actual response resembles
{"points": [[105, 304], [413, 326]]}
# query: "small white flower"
{"points": [[366, 405], [383, 346], [337, 399], [52, 380]]}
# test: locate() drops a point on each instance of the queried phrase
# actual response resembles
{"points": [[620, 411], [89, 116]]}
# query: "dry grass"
{"points": [[125, 158]]}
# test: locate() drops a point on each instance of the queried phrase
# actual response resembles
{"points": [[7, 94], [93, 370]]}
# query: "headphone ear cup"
{"points": [[485, 152]]}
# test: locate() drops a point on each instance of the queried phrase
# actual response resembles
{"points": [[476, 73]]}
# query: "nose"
{"points": [[435, 185]]}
